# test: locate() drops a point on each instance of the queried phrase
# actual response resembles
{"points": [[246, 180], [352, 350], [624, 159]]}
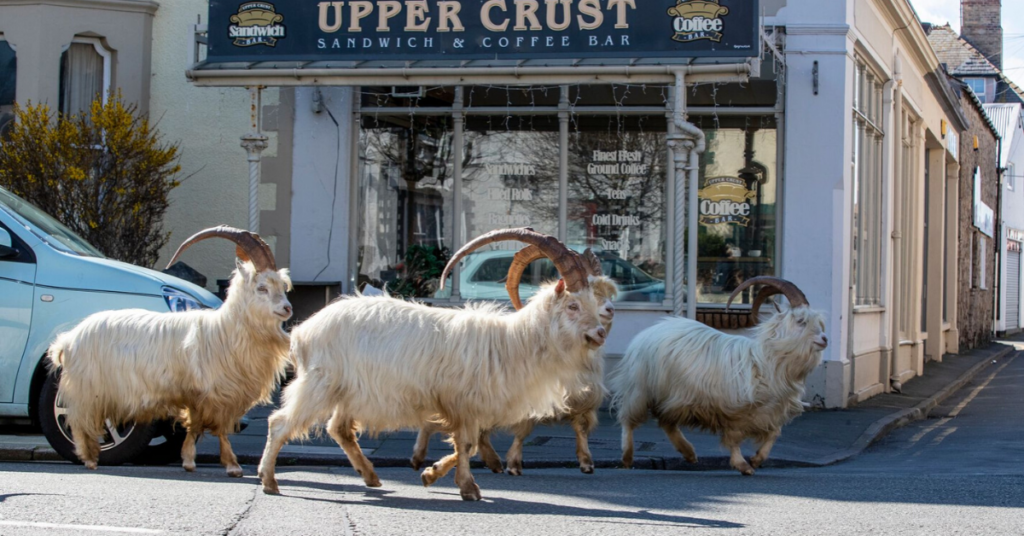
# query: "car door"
{"points": [[17, 283]]}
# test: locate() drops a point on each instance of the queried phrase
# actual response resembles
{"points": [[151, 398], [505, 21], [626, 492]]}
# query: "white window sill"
{"points": [[867, 309]]}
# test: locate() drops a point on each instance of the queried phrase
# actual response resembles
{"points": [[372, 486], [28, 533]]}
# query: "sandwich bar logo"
{"points": [[256, 23], [697, 19]]}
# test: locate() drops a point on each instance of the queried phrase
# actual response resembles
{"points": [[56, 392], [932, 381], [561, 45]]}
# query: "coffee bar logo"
{"points": [[725, 200], [256, 23], [697, 19]]}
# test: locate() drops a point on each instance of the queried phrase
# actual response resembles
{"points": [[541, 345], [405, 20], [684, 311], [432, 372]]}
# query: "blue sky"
{"points": [[943, 11]]}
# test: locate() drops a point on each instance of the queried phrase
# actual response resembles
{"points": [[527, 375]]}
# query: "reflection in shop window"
{"points": [[8, 84], [405, 191], [616, 182], [737, 205], [509, 179]]}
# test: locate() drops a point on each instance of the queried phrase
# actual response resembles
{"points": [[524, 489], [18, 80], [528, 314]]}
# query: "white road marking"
{"points": [[97, 528]]}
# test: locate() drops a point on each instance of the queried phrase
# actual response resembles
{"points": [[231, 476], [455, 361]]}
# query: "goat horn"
{"points": [[762, 296], [250, 247], [529, 254], [793, 294], [567, 261]]}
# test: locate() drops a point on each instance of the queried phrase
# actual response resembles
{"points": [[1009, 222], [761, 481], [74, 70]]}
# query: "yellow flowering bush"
{"points": [[106, 174]]}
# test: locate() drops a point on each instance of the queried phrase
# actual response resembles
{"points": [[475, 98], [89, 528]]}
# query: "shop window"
{"points": [[84, 76], [867, 187], [737, 205], [8, 84], [510, 178], [405, 202], [616, 192], [1011, 179]]}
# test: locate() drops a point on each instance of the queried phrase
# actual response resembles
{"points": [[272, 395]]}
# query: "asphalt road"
{"points": [[959, 472]]}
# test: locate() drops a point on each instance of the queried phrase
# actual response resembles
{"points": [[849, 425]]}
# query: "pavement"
{"points": [[816, 438]]}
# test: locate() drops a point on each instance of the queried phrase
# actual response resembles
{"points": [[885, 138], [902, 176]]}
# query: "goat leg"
{"points": [[765, 449], [487, 453], [188, 448], [344, 432], [227, 456], [419, 451], [514, 457], [582, 424], [732, 439], [468, 488], [439, 469], [675, 435]]}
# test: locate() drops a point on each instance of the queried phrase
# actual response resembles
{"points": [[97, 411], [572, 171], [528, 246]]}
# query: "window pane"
{"points": [[738, 178], [616, 183], [8, 84], [405, 196], [509, 179], [81, 78]]}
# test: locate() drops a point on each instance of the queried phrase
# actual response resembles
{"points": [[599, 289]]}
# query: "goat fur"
{"points": [[584, 396], [688, 374], [205, 368], [379, 363]]}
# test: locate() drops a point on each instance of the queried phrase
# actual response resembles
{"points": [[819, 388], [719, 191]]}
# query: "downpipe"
{"points": [[689, 138]]}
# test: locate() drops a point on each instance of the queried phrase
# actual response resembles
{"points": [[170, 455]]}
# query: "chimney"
{"points": [[982, 27]]}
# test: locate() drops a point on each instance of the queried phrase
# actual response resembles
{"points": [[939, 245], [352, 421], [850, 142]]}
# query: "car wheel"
{"points": [[119, 445]]}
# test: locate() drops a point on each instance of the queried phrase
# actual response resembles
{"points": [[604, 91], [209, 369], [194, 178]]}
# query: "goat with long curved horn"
{"points": [[250, 247], [569, 263], [529, 254]]}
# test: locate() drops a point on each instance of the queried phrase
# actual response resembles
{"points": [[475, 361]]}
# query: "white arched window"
{"points": [[84, 75]]}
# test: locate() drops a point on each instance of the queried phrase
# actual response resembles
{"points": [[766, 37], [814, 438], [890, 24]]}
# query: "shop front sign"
{"points": [[410, 30], [725, 200]]}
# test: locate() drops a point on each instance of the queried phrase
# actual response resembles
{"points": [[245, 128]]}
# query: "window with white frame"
{"points": [[1011, 179], [977, 85], [8, 83], [867, 186], [84, 75]]}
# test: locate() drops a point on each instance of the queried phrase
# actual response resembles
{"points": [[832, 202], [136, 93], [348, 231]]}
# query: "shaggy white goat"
{"points": [[206, 368], [688, 374], [379, 363], [585, 393]]}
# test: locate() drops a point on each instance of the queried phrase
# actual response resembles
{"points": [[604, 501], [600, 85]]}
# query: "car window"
{"points": [[492, 270], [46, 227]]}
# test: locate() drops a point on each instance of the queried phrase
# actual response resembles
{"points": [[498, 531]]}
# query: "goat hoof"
{"points": [[693, 459], [746, 470], [514, 471], [587, 469], [235, 472], [271, 489], [190, 467], [90, 465], [472, 494], [417, 463], [373, 482], [496, 468], [756, 463], [428, 476]]}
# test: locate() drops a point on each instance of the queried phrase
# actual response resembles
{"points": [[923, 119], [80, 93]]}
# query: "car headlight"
{"points": [[178, 301]]}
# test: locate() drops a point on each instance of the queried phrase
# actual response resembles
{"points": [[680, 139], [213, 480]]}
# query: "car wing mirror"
{"points": [[6, 251]]}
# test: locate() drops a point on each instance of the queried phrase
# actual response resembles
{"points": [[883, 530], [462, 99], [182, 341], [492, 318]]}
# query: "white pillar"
{"points": [[254, 143]]}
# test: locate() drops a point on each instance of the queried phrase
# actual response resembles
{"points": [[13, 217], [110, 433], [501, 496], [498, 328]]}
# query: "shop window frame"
{"points": [[868, 178], [565, 110]]}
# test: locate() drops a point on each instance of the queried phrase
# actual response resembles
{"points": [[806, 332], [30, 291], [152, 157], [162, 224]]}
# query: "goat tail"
{"points": [[629, 401], [57, 352]]}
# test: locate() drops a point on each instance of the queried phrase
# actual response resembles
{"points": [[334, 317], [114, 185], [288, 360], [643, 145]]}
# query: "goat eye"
{"points": [[262, 290], [574, 307]]}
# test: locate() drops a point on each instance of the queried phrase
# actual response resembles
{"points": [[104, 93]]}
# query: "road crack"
{"points": [[243, 514]]}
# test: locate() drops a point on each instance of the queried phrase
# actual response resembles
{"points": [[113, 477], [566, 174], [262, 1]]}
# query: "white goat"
{"points": [[585, 394], [205, 368], [688, 374], [378, 363]]}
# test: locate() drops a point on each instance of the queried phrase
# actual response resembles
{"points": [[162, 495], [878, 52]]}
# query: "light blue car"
{"points": [[51, 279]]}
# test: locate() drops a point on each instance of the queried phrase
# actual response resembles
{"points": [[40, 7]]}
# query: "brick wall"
{"points": [[975, 304], [982, 27]]}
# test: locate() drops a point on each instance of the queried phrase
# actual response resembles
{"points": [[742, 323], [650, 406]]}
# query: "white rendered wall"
{"points": [[321, 171], [208, 123], [1012, 214]]}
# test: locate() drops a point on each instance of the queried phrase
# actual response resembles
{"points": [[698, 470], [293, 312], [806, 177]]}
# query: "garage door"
{"points": [[1012, 289]]}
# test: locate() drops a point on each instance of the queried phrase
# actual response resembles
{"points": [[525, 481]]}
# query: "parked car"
{"points": [[51, 279], [483, 277]]}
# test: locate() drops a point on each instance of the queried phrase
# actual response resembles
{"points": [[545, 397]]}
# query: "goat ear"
{"points": [[560, 287], [243, 268]]}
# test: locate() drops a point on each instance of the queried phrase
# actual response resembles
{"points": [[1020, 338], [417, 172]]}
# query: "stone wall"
{"points": [[975, 302]]}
